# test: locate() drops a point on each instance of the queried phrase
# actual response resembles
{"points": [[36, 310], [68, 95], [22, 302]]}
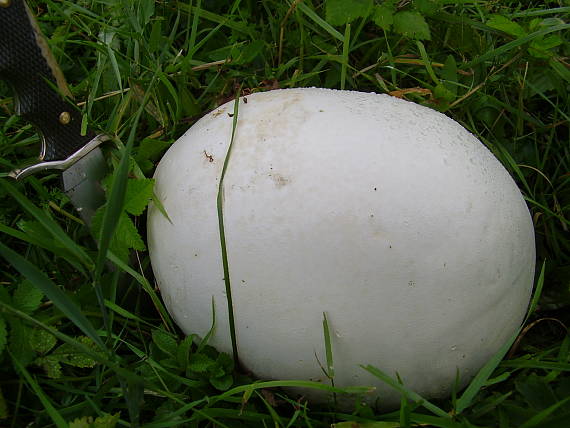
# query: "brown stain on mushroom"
{"points": [[279, 180], [219, 111]]}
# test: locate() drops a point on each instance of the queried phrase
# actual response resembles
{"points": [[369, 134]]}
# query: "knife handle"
{"points": [[28, 66]]}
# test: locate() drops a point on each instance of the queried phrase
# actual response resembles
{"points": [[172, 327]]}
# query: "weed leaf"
{"points": [[139, 194], [383, 17], [340, 12], [105, 421], [505, 25], [412, 25], [165, 342], [27, 297], [41, 341]]}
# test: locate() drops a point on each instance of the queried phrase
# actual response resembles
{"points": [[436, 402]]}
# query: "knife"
{"points": [[42, 97]]}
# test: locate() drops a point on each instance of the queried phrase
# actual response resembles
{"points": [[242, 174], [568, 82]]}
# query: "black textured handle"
{"points": [[29, 68]]}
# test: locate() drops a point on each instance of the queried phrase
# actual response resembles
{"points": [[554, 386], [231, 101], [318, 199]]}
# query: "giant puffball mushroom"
{"points": [[388, 216]]}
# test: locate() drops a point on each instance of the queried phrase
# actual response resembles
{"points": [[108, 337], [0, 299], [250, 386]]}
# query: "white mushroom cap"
{"points": [[388, 216]]}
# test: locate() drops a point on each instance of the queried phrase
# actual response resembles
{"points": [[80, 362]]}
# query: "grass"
{"points": [[82, 342]]}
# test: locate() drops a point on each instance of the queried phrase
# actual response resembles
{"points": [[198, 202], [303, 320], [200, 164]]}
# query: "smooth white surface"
{"points": [[388, 216]]}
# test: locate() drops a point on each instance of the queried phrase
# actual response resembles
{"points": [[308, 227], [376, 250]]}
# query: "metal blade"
{"points": [[82, 183]]}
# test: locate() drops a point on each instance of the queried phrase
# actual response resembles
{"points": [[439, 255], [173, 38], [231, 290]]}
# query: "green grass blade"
{"points": [[52, 291], [514, 44], [48, 223], [114, 207], [345, 52], [320, 21], [218, 19], [50, 409], [541, 12], [274, 416], [480, 380], [427, 62], [146, 287], [191, 42], [220, 208], [114, 65], [117, 193], [540, 417], [536, 364], [328, 348], [97, 356], [537, 292], [126, 314], [405, 391], [45, 244], [239, 390]]}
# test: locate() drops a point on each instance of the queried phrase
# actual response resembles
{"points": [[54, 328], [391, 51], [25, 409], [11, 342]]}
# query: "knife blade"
{"points": [[42, 97]]}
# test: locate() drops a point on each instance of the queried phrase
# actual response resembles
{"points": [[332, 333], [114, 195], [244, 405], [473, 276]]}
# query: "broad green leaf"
{"points": [[536, 391], [19, 343], [84, 422], [183, 351], [51, 366], [139, 193], [165, 342], [200, 363], [146, 10], [340, 12], [3, 335], [69, 354], [441, 92], [505, 25], [383, 17], [27, 297], [127, 234], [449, 74], [223, 383], [125, 237], [151, 149], [412, 25], [225, 361], [427, 7], [106, 421], [249, 52], [41, 341]]}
